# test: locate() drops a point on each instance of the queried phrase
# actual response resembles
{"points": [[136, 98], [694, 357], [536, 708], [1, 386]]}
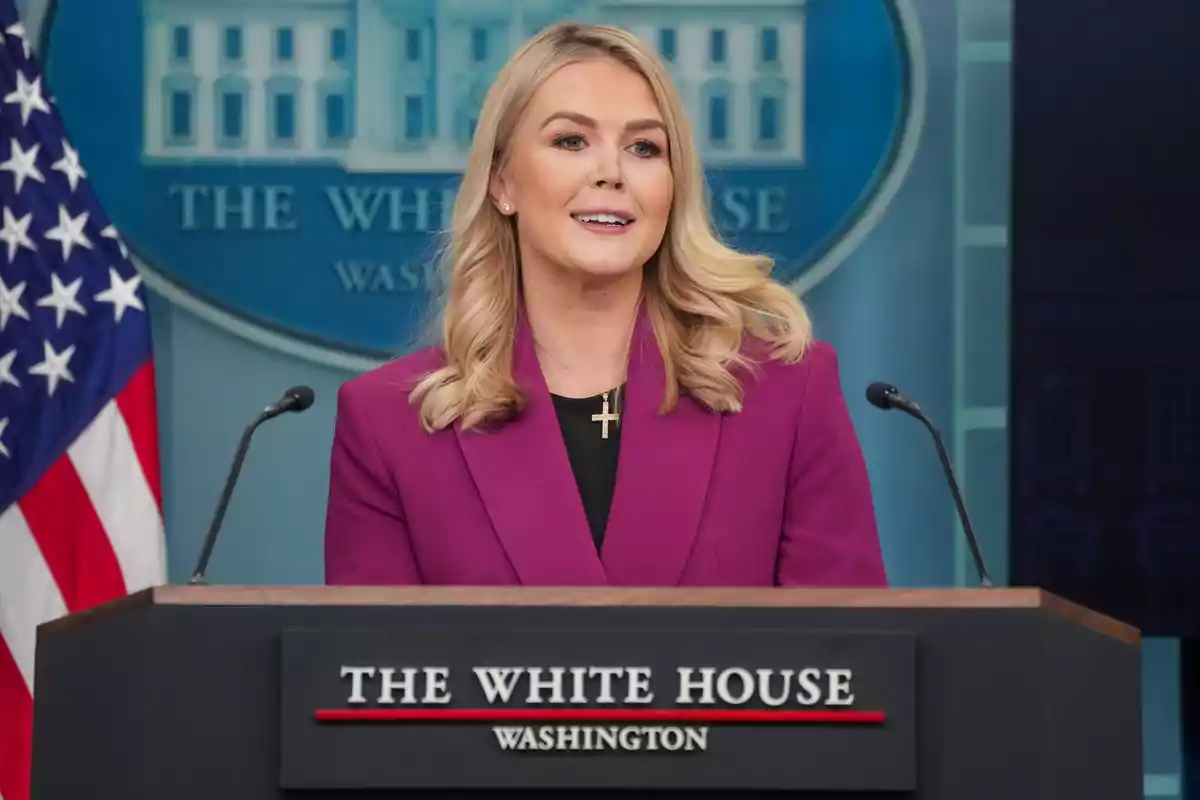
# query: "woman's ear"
{"points": [[498, 190]]}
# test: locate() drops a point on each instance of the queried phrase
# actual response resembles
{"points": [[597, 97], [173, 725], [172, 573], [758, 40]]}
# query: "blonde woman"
{"points": [[617, 398]]}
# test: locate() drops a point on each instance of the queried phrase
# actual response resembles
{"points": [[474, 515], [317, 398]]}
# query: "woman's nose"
{"points": [[607, 170]]}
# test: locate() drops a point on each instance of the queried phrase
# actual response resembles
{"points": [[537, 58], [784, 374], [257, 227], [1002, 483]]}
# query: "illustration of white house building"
{"points": [[396, 85]]}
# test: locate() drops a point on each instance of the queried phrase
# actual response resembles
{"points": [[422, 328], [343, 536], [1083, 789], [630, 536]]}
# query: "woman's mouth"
{"points": [[604, 221]]}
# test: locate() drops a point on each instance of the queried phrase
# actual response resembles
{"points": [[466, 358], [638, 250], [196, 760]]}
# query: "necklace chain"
{"points": [[605, 416]]}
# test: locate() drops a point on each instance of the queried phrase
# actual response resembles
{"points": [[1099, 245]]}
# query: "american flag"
{"points": [[80, 503]]}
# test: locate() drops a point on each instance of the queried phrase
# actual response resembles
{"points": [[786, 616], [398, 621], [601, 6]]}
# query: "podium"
{"points": [[190, 692]]}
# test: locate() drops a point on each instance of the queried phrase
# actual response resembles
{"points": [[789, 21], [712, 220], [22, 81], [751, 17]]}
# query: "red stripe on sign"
{"points": [[137, 404], [16, 729], [596, 715], [74, 543]]}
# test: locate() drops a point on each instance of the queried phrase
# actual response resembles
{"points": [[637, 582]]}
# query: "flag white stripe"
{"points": [[29, 595], [108, 467]]}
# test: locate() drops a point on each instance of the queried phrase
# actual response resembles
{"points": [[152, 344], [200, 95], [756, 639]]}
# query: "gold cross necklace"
{"points": [[604, 417]]}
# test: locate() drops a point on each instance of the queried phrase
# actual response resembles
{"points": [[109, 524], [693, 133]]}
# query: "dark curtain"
{"points": [[1105, 415]]}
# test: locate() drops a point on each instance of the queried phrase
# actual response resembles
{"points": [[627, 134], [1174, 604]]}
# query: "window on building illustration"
{"points": [[338, 45], [479, 43], [284, 44], [181, 115], [231, 115], [666, 43], [285, 116], [716, 46], [769, 45], [414, 110], [768, 119], [181, 43], [233, 44], [718, 119], [412, 44], [336, 118]]}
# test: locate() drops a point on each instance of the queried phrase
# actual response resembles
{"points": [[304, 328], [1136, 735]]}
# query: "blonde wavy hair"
{"points": [[702, 297]]}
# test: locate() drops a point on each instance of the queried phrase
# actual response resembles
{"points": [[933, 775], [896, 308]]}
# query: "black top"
{"points": [[593, 458]]}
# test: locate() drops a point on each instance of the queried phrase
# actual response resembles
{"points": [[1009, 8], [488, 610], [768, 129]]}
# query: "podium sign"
{"points": [[620, 706], [341, 693]]}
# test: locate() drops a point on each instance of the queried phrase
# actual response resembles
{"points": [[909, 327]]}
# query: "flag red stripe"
{"points": [[72, 539], [16, 728], [137, 404]]}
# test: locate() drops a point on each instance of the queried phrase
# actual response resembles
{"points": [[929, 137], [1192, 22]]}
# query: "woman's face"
{"points": [[588, 175]]}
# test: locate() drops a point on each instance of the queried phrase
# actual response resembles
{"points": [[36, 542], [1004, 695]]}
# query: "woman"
{"points": [[618, 397]]}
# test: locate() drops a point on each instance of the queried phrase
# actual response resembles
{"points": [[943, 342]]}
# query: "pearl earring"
{"points": [[506, 208]]}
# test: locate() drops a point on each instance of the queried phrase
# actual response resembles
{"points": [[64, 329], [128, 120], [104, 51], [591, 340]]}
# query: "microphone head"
{"points": [[298, 398], [881, 395]]}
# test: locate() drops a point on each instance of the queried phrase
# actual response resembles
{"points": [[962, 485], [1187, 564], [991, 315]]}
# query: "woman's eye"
{"points": [[647, 149], [570, 140]]}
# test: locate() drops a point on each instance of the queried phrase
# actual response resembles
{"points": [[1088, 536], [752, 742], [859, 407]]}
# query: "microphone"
{"points": [[294, 400], [888, 397]]}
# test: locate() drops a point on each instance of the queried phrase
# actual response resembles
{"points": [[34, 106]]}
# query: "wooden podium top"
{"points": [[981, 598]]}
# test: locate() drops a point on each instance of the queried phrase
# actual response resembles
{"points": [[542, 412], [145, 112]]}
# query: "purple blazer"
{"points": [[776, 495]]}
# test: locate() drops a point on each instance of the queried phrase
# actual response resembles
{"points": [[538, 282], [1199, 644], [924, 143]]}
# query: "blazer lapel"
{"points": [[524, 477], [662, 476]]}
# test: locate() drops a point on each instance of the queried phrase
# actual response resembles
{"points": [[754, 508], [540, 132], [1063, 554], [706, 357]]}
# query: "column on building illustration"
{"points": [[442, 66], [371, 86]]}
